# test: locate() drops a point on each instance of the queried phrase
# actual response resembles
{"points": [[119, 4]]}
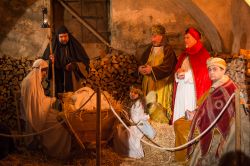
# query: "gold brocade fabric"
{"points": [[181, 128], [163, 87]]}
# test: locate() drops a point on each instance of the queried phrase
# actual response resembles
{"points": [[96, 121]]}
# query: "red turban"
{"points": [[193, 32]]}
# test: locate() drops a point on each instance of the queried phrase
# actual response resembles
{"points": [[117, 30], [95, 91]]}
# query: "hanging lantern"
{"points": [[45, 23]]}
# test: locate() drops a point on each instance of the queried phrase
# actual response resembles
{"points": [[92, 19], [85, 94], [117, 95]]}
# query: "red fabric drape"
{"points": [[198, 56], [207, 113]]}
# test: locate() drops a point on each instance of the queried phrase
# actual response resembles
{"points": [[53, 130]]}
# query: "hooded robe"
{"points": [[39, 115], [73, 53]]}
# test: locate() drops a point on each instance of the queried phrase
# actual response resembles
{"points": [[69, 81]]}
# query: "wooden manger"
{"points": [[82, 119]]}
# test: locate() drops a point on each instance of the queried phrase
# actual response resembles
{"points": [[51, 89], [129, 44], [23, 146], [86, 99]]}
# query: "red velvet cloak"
{"points": [[209, 111], [198, 56]]}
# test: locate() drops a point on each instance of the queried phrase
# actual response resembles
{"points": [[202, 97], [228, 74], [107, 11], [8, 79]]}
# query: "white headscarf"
{"points": [[36, 105], [40, 63]]}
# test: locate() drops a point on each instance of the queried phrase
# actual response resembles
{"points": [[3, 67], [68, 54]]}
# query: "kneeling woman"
{"points": [[128, 142], [39, 114]]}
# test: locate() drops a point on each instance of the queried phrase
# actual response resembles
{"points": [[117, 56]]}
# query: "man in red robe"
{"points": [[221, 138], [191, 82]]}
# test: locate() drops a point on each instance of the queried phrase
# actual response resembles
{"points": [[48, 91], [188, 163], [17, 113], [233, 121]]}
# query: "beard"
{"points": [[156, 44], [63, 42]]}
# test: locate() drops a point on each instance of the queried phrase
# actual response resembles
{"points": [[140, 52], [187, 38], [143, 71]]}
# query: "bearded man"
{"points": [[70, 60], [157, 65]]}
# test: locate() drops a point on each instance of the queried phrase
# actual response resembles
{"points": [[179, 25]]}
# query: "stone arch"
{"points": [[204, 22]]}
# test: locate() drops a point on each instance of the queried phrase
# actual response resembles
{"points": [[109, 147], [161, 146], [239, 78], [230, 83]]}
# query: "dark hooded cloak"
{"points": [[73, 53]]}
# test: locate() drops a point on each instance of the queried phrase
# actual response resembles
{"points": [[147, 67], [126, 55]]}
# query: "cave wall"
{"points": [[21, 33], [130, 22], [230, 17], [223, 23]]}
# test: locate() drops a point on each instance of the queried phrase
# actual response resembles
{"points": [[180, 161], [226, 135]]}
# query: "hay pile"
{"points": [[154, 157]]}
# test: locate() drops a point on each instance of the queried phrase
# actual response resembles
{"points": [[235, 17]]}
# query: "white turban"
{"points": [[216, 62]]}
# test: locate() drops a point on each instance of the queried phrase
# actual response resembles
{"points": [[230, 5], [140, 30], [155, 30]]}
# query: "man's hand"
{"points": [[145, 69], [68, 67], [180, 73], [52, 58], [189, 114], [141, 70], [148, 69]]}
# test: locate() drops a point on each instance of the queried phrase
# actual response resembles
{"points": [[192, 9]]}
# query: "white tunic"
{"points": [[185, 98], [128, 142]]}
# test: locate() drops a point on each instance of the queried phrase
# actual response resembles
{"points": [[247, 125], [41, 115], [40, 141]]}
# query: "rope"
{"points": [[117, 116], [79, 109], [31, 134], [75, 134], [45, 130], [184, 145]]}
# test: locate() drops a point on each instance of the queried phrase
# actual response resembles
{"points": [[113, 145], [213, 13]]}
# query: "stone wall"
{"points": [[21, 33], [230, 17], [131, 22], [22, 37]]}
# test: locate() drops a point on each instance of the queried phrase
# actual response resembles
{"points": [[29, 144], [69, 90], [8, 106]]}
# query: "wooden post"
{"points": [[237, 121], [98, 127], [17, 96], [50, 44]]}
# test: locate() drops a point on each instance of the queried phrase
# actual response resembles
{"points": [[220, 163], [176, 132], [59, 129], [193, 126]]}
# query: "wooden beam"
{"points": [[237, 121], [98, 127], [84, 23], [51, 24]]}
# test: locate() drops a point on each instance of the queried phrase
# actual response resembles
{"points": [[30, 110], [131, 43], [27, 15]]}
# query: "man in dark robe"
{"points": [[70, 60]]}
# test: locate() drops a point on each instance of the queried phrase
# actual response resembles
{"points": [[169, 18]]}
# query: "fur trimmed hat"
{"points": [[158, 29]]}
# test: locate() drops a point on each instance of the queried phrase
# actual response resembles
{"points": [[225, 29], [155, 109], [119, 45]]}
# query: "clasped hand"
{"points": [[145, 69], [180, 73]]}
